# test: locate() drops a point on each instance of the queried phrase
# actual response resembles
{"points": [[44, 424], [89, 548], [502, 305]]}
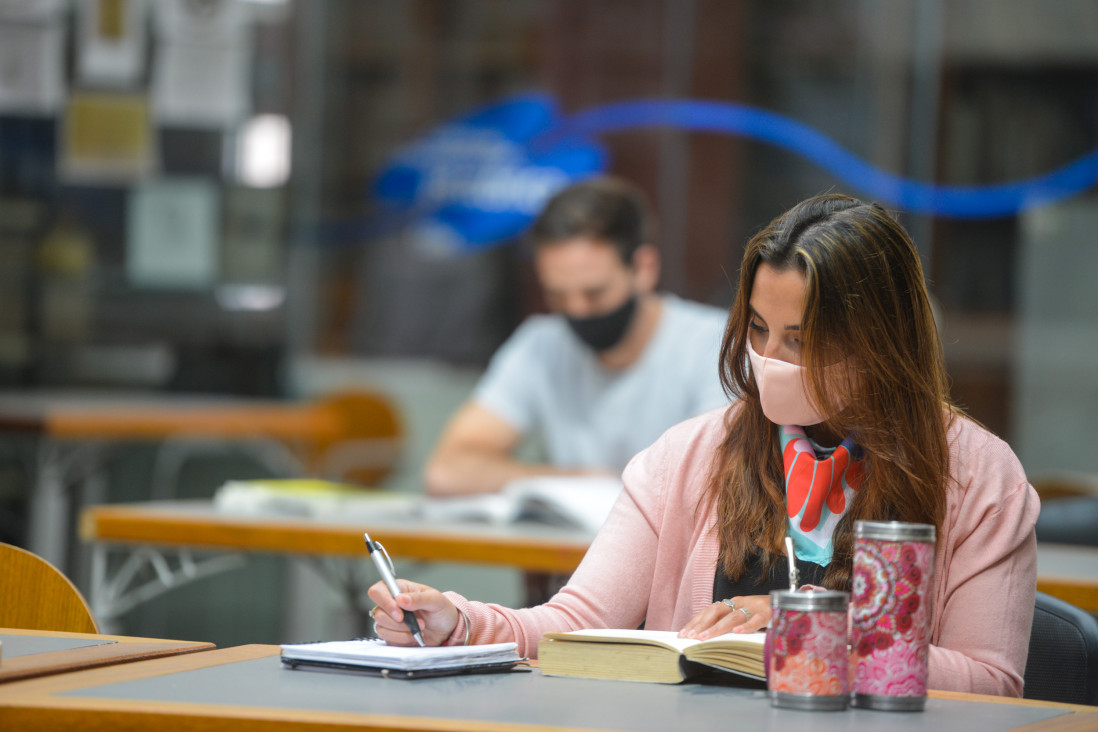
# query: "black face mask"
{"points": [[603, 332]]}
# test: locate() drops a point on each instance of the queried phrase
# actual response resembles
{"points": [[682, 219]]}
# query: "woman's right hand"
{"points": [[437, 616]]}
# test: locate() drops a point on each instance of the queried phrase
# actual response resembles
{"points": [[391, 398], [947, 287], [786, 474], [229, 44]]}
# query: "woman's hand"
{"points": [[437, 616], [749, 614]]}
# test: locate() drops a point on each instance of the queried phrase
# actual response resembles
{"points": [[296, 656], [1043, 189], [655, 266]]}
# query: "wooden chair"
{"points": [[357, 437], [367, 441], [1053, 486], [34, 595]]}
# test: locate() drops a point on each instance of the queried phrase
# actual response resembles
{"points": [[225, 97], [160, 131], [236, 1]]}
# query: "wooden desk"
{"points": [[527, 546], [1069, 572], [167, 531], [196, 524], [72, 431], [29, 653], [1065, 571], [127, 417], [245, 689]]}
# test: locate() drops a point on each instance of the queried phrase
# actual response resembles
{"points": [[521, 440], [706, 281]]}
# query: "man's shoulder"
{"points": [[542, 347], [690, 328], [694, 315], [540, 330]]}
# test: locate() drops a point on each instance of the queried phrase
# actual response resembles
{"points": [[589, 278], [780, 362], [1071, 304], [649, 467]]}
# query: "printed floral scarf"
{"points": [[817, 490]]}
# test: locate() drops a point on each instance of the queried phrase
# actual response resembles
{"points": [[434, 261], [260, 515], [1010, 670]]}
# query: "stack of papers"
{"points": [[376, 657], [311, 498]]}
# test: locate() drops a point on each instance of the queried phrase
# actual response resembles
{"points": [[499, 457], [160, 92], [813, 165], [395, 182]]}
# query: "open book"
{"points": [[648, 655], [376, 657], [581, 502]]}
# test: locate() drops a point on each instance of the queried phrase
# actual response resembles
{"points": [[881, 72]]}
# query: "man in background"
{"points": [[600, 378]]}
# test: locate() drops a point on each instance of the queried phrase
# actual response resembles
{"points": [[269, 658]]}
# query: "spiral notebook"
{"points": [[375, 657]]}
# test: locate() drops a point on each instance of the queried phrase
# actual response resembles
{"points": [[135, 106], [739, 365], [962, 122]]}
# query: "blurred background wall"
{"points": [[189, 199]]}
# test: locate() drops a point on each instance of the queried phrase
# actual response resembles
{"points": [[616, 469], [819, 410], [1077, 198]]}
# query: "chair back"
{"points": [[1051, 486], [1069, 508], [1063, 653], [367, 441], [34, 595]]}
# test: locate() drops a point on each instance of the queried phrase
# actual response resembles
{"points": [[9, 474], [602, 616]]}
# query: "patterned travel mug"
{"points": [[807, 667], [890, 633]]}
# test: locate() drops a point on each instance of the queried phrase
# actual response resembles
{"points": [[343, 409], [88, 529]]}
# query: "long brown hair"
{"points": [[865, 301]]}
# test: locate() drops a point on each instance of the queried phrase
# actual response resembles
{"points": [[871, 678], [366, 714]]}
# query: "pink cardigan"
{"points": [[655, 559]]}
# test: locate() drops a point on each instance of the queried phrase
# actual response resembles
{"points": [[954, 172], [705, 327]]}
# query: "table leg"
{"points": [[49, 507], [118, 587]]}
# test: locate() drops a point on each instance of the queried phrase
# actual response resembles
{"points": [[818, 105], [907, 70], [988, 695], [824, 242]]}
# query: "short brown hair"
{"points": [[604, 208]]}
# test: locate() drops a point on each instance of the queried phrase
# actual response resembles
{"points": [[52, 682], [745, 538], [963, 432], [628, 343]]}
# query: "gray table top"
{"points": [[26, 645], [531, 698], [1069, 561]]}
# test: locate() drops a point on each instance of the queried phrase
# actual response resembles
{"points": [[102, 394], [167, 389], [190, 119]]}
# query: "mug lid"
{"points": [[894, 531], [809, 600]]}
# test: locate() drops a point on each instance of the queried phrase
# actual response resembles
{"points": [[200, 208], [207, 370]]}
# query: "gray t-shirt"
{"points": [[545, 381]]}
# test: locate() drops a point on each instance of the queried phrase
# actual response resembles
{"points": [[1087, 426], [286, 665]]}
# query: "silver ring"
{"points": [[373, 619], [729, 602], [746, 613]]}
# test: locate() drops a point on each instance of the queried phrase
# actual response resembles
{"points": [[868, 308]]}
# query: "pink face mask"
{"points": [[783, 391]]}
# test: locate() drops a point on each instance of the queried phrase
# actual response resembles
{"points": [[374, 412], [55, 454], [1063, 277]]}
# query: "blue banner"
{"points": [[481, 179], [967, 202]]}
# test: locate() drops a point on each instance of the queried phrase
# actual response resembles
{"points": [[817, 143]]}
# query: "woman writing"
{"points": [[843, 414]]}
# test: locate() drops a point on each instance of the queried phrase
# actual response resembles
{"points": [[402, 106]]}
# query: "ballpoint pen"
{"points": [[384, 566]]}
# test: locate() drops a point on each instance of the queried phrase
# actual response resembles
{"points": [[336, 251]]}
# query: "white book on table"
{"points": [[312, 498], [581, 502]]}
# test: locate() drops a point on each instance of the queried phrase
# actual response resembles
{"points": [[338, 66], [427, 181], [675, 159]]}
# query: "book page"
{"points": [[740, 639], [668, 638], [580, 501], [493, 508]]}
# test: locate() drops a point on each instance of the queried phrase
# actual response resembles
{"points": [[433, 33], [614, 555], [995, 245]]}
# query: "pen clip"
{"points": [[794, 576], [385, 555], [373, 546]]}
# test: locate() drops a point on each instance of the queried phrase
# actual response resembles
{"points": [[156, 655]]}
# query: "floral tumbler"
{"points": [[890, 604], [808, 657]]}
